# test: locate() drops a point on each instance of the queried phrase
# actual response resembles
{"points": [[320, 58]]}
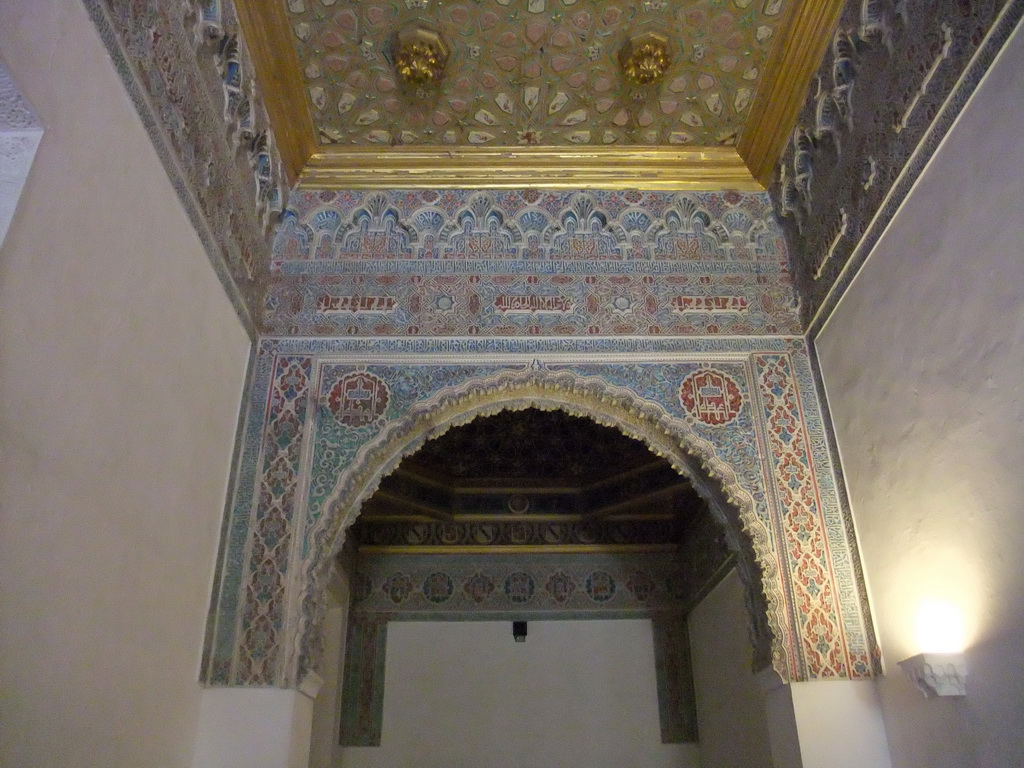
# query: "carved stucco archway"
{"points": [[326, 421], [591, 398]]}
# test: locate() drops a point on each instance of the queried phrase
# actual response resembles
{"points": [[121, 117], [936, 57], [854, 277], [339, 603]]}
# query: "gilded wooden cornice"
{"points": [[788, 73], [666, 168], [265, 26]]}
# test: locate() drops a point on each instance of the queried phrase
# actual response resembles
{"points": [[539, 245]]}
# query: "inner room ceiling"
{"points": [[531, 444], [543, 93], [539, 480]]}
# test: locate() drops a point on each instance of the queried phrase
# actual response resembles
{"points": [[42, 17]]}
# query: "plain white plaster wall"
{"points": [[730, 704], [253, 728], [839, 724], [121, 369], [465, 695], [924, 366], [780, 720]]}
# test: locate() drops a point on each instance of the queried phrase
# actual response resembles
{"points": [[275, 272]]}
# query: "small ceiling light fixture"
{"points": [[420, 56], [519, 631], [645, 58]]}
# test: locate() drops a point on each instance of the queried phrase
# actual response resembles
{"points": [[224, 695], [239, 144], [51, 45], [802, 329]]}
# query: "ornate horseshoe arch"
{"points": [[589, 397], [324, 425]]}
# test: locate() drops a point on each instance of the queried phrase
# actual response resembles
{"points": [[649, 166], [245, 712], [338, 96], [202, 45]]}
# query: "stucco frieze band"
{"points": [[536, 586], [528, 262]]}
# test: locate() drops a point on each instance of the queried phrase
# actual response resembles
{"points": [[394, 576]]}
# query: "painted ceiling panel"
{"points": [[533, 72], [533, 445]]}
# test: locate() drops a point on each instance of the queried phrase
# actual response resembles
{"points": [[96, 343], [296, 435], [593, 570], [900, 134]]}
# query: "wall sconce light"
{"points": [[937, 674], [941, 669], [519, 631]]}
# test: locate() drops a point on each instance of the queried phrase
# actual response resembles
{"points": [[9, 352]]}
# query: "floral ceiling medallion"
{"points": [[420, 56], [645, 58]]}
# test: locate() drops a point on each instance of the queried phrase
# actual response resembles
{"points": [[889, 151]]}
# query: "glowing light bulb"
{"points": [[939, 627]]}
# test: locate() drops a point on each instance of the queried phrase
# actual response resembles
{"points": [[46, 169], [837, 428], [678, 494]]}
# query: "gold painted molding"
{"points": [[586, 167], [788, 73], [642, 517], [279, 77], [514, 549], [748, 167]]}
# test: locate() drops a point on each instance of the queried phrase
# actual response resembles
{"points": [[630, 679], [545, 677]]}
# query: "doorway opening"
{"points": [[543, 516]]}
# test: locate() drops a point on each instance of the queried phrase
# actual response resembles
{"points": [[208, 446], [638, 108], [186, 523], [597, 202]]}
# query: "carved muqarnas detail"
{"points": [[891, 84]]}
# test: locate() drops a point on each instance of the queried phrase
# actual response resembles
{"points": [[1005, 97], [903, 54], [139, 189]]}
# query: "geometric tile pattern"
{"points": [[525, 262], [889, 87], [303, 473], [537, 72]]}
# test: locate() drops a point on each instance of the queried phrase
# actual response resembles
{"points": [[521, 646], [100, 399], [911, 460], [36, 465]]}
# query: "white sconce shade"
{"points": [[937, 674]]}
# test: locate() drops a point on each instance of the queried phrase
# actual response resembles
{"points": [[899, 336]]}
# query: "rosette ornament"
{"points": [[645, 58], [420, 56]]}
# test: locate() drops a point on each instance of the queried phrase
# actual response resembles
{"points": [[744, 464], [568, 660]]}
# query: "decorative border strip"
{"points": [[234, 478], [586, 263], [474, 349], [831, 445], [473, 588]]}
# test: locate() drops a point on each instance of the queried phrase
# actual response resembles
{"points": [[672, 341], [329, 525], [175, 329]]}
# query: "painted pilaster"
{"points": [[677, 703], [362, 697]]}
